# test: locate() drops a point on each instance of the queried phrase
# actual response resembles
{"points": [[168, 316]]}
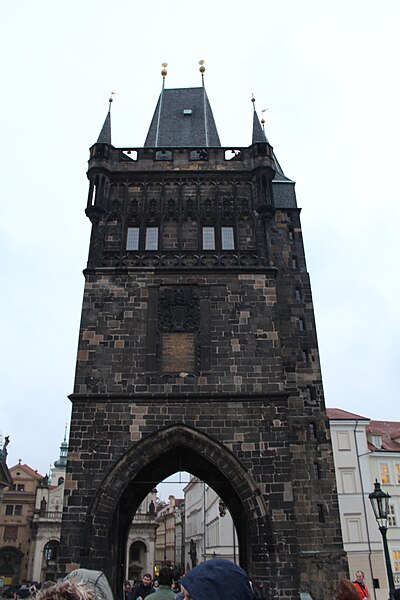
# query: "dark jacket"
{"points": [[141, 590], [217, 579]]}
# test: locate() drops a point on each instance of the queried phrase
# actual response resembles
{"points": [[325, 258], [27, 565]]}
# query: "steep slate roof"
{"points": [[171, 127], [105, 133], [260, 137], [258, 132]]}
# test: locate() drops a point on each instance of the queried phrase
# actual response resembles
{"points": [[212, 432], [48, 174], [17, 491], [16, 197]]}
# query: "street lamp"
{"points": [[380, 506]]}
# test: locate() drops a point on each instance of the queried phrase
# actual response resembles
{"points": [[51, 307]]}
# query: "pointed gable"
{"points": [[183, 118]]}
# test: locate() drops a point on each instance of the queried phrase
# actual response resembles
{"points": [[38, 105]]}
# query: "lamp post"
{"points": [[380, 506]]}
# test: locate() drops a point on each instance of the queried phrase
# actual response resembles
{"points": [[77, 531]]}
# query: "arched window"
{"points": [[50, 551]]}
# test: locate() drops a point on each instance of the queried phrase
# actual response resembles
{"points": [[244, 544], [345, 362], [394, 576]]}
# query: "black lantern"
{"points": [[380, 505]]}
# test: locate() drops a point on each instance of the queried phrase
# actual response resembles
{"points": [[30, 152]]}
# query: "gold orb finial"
{"points": [[202, 67], [262, 116], [164, 70]]}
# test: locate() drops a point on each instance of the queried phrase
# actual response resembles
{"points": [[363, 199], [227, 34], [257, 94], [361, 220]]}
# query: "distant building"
{"points": [[180, 538], [30, 525], [209, 528], [167, 553], [16, 513], [46, 522], [366, 450], [141, 545]]}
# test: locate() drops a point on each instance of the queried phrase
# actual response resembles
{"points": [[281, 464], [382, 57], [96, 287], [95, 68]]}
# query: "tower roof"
{"points": [[183, 117], [258, 132], [62, 461], [260, 137], [105, 133]]}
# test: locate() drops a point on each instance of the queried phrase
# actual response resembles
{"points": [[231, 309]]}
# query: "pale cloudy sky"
{"points": [[328, 73]]}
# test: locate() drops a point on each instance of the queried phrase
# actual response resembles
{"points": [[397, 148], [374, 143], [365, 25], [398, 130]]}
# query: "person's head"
{"points": [[165, 576], [360, 576], [216, 579], [127, 586], [147, 579], [69, 589], [347, 591], [92, 579]]}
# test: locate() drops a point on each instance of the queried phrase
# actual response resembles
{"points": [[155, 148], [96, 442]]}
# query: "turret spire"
{"points": [[105, 133], [62, 461], [258, 131]]}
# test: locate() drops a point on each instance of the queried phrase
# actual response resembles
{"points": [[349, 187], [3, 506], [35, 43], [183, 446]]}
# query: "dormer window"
{"points": [[375, 439]]}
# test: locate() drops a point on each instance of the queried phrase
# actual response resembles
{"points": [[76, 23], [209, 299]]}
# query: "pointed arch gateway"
{"points": [[149, 461]]}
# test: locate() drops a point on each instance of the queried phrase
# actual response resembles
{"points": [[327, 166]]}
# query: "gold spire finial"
{"points": [[202, 67], [262, 116], [164, 69]]}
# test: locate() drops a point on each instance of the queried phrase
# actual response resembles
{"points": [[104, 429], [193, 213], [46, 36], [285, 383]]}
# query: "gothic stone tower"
{"points": [[198, 352]]}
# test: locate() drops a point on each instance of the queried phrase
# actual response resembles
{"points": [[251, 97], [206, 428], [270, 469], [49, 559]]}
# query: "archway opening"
{"points": [[143, 467]]}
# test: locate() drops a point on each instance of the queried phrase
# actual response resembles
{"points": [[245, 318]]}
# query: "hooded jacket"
{"points": [[96, 579], [217, 579]]}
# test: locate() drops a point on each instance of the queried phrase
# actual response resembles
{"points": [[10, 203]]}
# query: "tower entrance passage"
{"points": [[177, 448]]}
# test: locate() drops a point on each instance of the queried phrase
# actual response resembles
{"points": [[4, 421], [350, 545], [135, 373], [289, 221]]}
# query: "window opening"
{"points": [[208, 238], [316, 471], [152, 238], [227, 238], [312, 431], [321, 515], [384, 469], [132, 238], [392, 521], [396, 560]]}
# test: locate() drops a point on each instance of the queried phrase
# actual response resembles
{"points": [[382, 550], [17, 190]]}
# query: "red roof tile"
{"points": [[339, 413]]}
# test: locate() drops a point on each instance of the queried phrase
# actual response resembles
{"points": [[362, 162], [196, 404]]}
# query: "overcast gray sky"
{"points": [[328, 73]]}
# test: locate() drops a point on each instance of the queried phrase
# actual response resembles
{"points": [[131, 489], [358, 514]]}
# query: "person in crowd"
{"points": [[164, 592], [69, 589], [216, 579], [126, 590], [92, 579], [360, 586], [347, 591], [143, 589]]}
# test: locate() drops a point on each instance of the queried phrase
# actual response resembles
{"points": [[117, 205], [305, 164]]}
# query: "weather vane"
{"points": [[262, 116], [164, 69], [111, 99]]}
